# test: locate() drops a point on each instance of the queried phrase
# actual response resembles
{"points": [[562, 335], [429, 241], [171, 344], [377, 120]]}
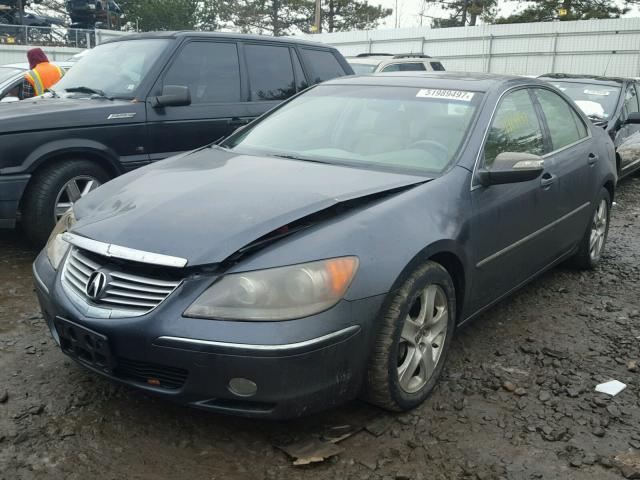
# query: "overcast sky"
{"points": [[409, 11]]}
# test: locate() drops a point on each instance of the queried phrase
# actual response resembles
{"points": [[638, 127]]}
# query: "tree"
{"points": [[343, 15], [463, 12], [276, 17], [549, 10], [161, 14]]}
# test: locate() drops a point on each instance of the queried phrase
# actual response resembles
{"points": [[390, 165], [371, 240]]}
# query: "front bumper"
{"points": [[11, 189], [298, 366]]}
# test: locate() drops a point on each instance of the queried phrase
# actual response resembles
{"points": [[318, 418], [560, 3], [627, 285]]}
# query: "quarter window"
{"points": [[437, 67], [210, 70], [324, 64], [270, 72], [515, 128], [631, 100], [404, 67], [565, 126]]}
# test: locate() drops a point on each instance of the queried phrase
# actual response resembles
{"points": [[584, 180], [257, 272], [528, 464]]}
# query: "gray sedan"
{"points": [[331, 248]]}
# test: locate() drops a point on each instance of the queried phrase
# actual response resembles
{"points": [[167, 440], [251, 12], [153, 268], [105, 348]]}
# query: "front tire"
{"points": [[53, 190], [592, 244], [413, 340]]}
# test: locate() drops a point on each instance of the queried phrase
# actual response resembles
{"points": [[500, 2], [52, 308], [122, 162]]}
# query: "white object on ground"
{"points": [[612, 387]]}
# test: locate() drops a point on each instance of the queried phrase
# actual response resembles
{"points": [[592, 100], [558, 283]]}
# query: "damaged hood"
{"points": [[209, 204]]}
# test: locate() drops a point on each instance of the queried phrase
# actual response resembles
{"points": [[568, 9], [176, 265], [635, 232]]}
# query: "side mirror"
{"points": [[633, 118], [9, 100], [511, 167], [172, 96]]}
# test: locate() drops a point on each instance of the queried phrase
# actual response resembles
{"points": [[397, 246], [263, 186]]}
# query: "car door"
{"points": [[572, 164], [627, 140], [510, 225], [211, 70], [274, 74]]}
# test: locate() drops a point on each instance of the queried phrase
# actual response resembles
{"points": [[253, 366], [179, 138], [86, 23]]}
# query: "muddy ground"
{"points": [[517, 399]]}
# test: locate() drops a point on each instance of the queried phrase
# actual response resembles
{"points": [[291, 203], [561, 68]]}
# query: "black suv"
{"points": [[611, 103], [139, 99]]}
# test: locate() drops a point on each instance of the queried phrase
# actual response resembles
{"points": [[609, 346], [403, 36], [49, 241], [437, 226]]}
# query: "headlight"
{"points": [[281, 293], [56, 246]]}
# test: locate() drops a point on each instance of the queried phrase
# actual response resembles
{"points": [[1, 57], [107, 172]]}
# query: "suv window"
{"points": [[437, 66], [404, 67], [324, 64], [630, 100], [564, 124], [270, 72], [211, 70], [515, 128]]}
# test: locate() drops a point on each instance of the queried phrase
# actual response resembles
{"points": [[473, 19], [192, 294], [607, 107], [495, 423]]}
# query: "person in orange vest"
{"points": [[43, 74]]}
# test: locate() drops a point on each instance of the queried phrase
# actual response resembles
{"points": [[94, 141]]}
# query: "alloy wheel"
{"points": [[72, 191], [422, 339], [598, 230]]}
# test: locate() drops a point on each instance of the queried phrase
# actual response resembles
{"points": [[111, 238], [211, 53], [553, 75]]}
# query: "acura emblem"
{"points": [[96, 284]]}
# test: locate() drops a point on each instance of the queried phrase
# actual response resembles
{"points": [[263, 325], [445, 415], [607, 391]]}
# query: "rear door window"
{"points": [[323, 63], [404, 67], [211, 70], [270, 72], [565, 127]]}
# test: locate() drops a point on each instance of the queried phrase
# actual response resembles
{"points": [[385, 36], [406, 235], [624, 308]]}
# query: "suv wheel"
{"points": [[414, 338], [53, 190]]}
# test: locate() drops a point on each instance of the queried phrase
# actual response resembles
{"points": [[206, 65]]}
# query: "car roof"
{"points": [[569, 77], [476, 82], [194, 34], [399, 58]]}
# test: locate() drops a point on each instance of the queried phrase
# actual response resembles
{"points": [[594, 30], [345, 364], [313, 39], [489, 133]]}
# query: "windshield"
{"points": [[117, 69], [395, 128], [596, 101], [7, 73], [363, 68]]}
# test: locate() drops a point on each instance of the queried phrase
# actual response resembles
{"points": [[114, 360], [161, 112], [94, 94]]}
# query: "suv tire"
{"points": [[52, 188]]}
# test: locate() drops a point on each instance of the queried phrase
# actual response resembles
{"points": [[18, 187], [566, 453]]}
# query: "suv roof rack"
{"points": [[363, 55], [412, 55]]}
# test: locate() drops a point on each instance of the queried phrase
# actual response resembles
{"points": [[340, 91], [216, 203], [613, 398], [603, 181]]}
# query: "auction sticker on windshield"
{"points": [[445, 94]]}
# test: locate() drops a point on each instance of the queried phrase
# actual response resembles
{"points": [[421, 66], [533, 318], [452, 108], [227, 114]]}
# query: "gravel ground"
{"points": [[517, 399]]}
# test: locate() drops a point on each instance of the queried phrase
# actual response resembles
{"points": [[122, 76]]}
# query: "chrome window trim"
{"points": [[124, 253], [523, 240], [475, 186], [263, 348]]}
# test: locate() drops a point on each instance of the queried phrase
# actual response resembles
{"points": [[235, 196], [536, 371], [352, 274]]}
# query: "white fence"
{"points": [[18, 53], [599, 47]]}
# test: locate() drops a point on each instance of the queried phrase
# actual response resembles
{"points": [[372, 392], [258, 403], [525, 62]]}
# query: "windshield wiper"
{"points": [[91, 91]]}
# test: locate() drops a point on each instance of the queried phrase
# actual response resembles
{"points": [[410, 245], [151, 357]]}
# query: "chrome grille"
{"points": [[125, 294]]}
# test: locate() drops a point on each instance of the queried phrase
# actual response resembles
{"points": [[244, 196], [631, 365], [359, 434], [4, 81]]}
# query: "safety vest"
{"points": [[43, 76]]}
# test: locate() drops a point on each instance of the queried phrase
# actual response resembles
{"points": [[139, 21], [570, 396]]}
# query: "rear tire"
{"points": [[592, 244], [52, 189], [413, 340]]}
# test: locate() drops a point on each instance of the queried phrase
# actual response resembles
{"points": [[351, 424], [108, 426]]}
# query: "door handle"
{"points": [[547, 180], [593, 158], [237, 122]]}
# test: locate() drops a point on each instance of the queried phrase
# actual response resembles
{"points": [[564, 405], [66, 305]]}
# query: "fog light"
{"points": [[242, 387]]}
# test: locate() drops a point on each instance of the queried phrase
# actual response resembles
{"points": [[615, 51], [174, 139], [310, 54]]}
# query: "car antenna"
{"points": [[607, 66]]}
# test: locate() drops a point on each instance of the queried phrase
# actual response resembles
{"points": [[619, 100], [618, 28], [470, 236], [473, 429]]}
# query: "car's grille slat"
{"points": [[130, 286], [125, 293], [144, 281], [141, 296], [135, 303]]}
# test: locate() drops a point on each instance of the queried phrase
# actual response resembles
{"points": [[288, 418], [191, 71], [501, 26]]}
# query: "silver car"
{"points": [[11, 77]]}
